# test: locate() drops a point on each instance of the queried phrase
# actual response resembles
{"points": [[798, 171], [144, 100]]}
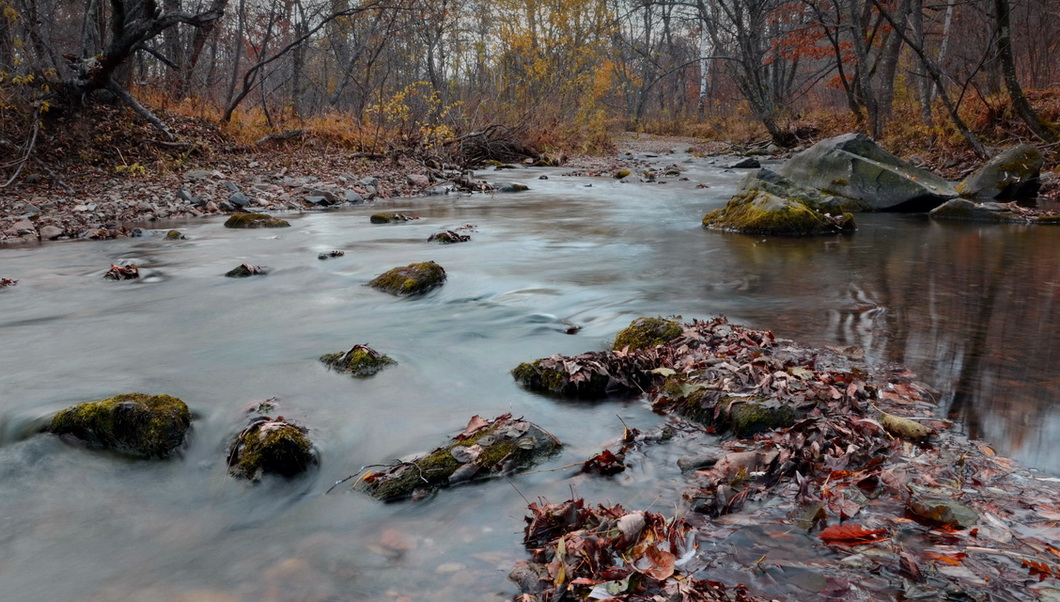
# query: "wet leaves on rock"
{"points": [[122, 272], [484, 449]]}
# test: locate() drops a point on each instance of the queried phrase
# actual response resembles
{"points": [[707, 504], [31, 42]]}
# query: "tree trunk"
{"points": [[1008, 68]]}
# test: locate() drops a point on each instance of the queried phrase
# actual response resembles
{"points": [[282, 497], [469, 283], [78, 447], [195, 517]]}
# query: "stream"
{"points": [[971, 308]]}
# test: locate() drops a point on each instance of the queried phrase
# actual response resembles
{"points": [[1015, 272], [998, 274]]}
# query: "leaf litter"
{"points": [[862, 495]]}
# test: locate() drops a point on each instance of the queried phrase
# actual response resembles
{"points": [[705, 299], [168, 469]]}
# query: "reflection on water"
{"points": [[968, 307]]}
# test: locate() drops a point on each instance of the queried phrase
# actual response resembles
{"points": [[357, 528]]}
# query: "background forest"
{"points": [[921, 75]]}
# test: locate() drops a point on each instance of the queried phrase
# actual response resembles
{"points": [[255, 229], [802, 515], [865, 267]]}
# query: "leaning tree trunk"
{"points": [[131, 24]]}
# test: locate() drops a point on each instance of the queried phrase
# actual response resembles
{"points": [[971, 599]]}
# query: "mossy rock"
{"points": [[413, 279], [361, 361], [175, 235], [542, 378], [645, 333], [484, 450], [762, 213], [743, 416], [255, 220], [622, 173], [748, 416], [244, 270], [390, 218], [270, 446], [131, 423], [448, 237]]}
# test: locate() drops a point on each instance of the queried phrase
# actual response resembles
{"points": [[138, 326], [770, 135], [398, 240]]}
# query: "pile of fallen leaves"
{"points": [[861, 486], [609, 553]]}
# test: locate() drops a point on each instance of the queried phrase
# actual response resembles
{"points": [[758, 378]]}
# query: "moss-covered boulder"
{"points": [[360, 361], [622, 173], [1011, 175], [644, 333], [270, 446], [175, 235], [761, 213], [485, 449], [255, 220], [132, 423], [413, 279], [854, 167], [390, 218]]}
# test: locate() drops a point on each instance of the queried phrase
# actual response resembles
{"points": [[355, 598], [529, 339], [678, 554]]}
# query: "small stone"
{"points": [[51, 232], [239, 199]]}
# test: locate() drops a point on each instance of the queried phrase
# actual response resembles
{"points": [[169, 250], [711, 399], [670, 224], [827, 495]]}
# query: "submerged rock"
{"points": [[270, 446], [1012, 174], [122, 272], [131, 423], [854, 167], [448, 237], [990, 211], [255, 220], [943, 511], [246, 269], [175, 235], [360, 361], [390, 218], [413, 279], [484, 450], [643, 333]]}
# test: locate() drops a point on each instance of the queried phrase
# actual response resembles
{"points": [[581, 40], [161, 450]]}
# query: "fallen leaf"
{"points": [[851, 535]]}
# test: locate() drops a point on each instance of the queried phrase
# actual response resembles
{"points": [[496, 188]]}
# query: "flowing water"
{"points": [[971, 308]]}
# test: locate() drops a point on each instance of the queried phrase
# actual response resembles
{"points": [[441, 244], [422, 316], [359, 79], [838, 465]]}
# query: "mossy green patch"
{"points": [[130, 423], [622, 173], [413, 279], [174, 235], [747, 416], [644, 333], [255, 220], [270, 446], [361, 361]]}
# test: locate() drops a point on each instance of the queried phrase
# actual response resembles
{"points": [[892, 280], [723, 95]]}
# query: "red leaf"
{"points": [[851, 535]]}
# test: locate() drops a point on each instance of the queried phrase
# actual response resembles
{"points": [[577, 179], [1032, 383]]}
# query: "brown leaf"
{"points": [[851, 535], [474, 425]]}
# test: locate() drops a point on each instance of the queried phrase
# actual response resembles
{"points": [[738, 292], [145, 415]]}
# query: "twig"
{"points": [[55, 179], [20, 163]]}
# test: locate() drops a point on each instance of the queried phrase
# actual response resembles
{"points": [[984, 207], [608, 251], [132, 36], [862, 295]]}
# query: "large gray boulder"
{"points": [[1013, 174], [868, 178]]}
